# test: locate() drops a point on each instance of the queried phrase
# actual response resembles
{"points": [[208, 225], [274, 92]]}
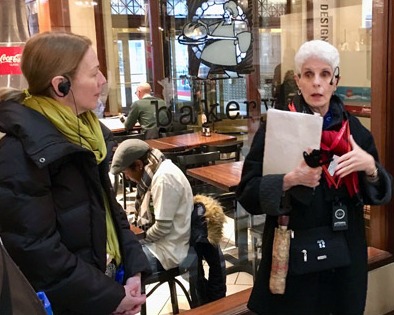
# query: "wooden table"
{"points": [[189, 140], [163, 145], [196, 139], [226, 176]]}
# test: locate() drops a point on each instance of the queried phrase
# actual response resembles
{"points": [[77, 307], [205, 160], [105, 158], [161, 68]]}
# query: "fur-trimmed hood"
{"points": [[214, 217]]}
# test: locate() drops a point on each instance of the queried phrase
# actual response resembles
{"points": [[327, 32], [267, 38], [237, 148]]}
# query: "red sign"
{"points": [[10, 58]]}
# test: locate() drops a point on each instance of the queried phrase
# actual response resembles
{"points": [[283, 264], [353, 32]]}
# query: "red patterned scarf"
{"points": [[337, 143]]}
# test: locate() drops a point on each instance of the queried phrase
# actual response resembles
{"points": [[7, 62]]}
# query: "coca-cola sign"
{"points": [[10, 58]]}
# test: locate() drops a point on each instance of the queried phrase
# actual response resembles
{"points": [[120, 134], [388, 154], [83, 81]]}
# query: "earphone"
{"points": [[64, 86], [335, 75]]}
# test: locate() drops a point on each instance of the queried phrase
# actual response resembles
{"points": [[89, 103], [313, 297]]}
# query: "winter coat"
{"points": [[339, 291], [206, 233], [52, 216], [17, 295]]}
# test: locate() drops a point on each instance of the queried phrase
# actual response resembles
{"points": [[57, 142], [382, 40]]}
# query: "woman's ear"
{"points": [[297, 79], [337, 81], [55, 83]]}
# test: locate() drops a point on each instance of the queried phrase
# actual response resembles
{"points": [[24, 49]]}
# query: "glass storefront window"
{"points": [[211, 56]]}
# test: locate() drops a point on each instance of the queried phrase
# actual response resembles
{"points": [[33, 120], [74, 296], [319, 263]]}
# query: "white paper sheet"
{"points": [[113, 123], [288, 135]]}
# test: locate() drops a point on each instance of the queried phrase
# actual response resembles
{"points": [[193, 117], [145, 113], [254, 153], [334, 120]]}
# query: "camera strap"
{"points": [[339, 216]]}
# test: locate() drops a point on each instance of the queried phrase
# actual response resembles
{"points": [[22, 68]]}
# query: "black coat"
{"points": [[340, 291], [52, 215]]}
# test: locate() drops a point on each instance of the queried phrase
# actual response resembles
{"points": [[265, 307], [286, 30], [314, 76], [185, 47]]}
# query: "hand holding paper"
{"points": [[288, 135]]}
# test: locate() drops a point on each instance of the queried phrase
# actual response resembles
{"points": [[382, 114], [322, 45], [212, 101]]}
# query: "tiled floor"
{"points": [[159, 302]]}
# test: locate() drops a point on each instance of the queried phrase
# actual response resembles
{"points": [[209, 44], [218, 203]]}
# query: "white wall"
{"points": [[380, 297], [82, 21]]}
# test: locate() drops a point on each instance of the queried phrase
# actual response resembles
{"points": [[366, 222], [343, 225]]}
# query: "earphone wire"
{"points": [[76, 113]]}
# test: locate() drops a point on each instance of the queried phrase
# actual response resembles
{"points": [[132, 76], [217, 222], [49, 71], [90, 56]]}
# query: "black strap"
{"points": [[5, 294]]}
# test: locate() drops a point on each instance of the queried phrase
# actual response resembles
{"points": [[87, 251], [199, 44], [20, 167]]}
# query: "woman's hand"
{"points": [[302, 175], [354, 161], [131, 303]]}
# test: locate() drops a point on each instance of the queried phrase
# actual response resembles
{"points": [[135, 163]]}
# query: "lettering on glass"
{"points": [[323, 20], [219, 40]]}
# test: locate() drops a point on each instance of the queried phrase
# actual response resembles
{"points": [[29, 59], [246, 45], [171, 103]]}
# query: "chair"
{"points": [[173, 155], [256, 235], [188, 266], [228, 151], [196, 160], [204, 159], [152, 133], [206, 232], [175, 133], [121, 138], [227, 199]]}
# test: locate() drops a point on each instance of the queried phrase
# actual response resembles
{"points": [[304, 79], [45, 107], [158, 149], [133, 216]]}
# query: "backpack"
{"points": [[17, 297]]}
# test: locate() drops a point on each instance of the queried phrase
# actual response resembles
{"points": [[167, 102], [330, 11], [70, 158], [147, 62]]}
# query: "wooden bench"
{"points": [[234, 304]]}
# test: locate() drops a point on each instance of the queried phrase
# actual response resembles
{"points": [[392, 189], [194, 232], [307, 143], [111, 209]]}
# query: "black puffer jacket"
{"points": [[340, 291], [52, 215]]}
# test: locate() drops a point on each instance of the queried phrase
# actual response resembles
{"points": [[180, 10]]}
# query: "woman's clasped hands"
{"points": [[131, 303]]}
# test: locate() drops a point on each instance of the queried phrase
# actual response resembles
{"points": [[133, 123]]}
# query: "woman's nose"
{"points": [[103, 80], [316, 80]]}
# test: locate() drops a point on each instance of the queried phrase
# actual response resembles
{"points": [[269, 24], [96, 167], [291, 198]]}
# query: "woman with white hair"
{"points": [[323, 199]]}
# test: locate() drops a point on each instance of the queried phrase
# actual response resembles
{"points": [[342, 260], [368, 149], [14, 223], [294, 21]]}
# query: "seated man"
{"points": [[167, 238], [144, 111]]}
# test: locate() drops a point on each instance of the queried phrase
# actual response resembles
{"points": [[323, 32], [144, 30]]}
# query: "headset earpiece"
{"points": [[64, 86], [335, 75]]}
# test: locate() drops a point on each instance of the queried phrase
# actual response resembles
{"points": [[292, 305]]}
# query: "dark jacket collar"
{"points": [[40, 138], [336, 109]]}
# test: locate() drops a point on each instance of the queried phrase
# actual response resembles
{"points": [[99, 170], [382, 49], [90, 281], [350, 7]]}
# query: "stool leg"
{"points": [[116, 183], [124, 193], [143, 306], [143, 309], [254, 251], [174, 297]]}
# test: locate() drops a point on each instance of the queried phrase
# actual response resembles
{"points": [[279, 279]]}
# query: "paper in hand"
{"points": [[112, 123], [288, 135]]}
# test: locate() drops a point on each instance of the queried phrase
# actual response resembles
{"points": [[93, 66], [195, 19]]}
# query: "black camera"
{"points": [[313, 159], [339, 217]]}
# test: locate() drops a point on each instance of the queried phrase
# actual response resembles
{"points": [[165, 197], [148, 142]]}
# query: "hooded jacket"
{"points": [[52, 215]]}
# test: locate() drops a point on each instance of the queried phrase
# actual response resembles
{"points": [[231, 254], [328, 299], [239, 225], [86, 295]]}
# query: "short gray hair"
{"points": [[318, 49]]}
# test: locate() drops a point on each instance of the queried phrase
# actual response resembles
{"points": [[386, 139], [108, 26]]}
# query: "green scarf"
{"points": [[83, 130], [113, 249]]}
